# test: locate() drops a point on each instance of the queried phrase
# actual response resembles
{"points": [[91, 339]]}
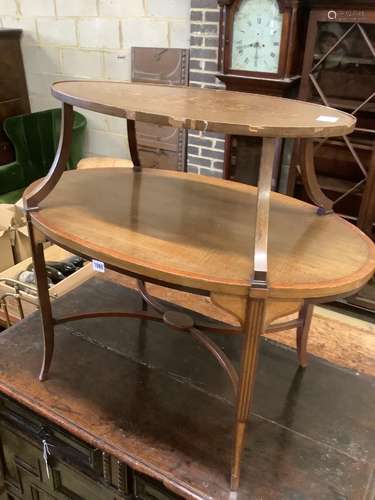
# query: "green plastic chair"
{"points": [[35, 138]]}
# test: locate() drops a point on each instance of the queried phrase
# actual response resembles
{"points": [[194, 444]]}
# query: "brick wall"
{"points": [[205, 150], [91, 39]]}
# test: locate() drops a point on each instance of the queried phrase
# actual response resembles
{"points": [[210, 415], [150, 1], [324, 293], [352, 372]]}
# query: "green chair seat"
{"points": [[11, 196], [35, 138]]}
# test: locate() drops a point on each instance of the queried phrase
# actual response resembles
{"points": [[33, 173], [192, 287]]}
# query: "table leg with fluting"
{"points": [[254, 327]]}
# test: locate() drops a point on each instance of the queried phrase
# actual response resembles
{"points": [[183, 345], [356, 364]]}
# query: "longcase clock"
{"points": [[261, 52], [259, 45]]}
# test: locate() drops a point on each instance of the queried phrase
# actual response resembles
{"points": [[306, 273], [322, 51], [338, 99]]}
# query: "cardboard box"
{"points": [[13, 231], [30, 301], [22, 248], [6, 236]]}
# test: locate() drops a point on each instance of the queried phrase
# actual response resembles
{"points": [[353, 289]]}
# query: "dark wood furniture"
{"points": [[160, 146], [122, 404], [269, 35], [339, 70], [14, 98], [268, 256]]}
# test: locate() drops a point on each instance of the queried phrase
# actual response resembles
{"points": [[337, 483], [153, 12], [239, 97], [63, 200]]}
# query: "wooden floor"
{"points": [[158, 401]]}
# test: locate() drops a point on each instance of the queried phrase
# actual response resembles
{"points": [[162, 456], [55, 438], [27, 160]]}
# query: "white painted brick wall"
{"points": [[145, 32], [27, 25], [171, 8], [99, 33], [57, 32], [8, 7], [179, 34], [82, 8], [66, 39], [37, 7], [121, 8], [117, 65], [82, 64]]}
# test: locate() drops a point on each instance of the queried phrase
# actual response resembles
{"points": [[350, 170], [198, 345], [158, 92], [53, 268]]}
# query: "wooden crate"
{"points": [[30, 301]]}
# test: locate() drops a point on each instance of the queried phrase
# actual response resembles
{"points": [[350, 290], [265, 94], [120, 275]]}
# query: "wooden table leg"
{"points": [[303, 329], [44, 301], [254, 327], [133, 147], [46, 185]]}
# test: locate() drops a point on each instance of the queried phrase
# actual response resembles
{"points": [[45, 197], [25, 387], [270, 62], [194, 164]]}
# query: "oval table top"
{"points": [[235, 113], [198, 232]]}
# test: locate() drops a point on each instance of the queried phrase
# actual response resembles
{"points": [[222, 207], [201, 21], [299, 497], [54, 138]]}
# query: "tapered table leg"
{"points": [[254, 327], [44, 302], [305, 316]]}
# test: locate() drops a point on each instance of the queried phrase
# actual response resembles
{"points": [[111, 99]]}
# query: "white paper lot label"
{"points": [[327, 119], [98, 266]]}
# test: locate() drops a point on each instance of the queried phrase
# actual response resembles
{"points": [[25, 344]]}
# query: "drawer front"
{"points": [[26, 477], [65, 447], [77, 471], [147, 489]]}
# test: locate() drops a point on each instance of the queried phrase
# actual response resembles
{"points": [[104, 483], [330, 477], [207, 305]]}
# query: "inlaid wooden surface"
{"points": [[234, 113], [198, 231]]}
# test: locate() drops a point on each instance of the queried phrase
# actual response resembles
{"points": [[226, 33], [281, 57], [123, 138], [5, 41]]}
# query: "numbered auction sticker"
{"points": [[98, 266]]}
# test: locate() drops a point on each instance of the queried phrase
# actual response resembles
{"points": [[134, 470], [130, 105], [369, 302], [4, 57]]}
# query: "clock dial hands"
{"points": [[256, 36]]}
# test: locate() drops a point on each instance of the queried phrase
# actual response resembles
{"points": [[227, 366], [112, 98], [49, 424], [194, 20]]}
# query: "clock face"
{"points": [[257, 28]]}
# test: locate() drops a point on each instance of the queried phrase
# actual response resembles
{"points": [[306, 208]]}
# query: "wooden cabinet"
{"points": [[76, 470], [339, 71], [13, 90]]}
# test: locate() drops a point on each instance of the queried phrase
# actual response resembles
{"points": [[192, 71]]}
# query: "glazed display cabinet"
{"points": [[339, 71]]}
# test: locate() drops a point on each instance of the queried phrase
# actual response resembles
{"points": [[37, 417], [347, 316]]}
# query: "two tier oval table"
{"points": [[257, 254]]}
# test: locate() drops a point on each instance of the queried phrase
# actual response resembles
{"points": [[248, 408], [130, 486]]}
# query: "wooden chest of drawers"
{"points": [[76, 470]]}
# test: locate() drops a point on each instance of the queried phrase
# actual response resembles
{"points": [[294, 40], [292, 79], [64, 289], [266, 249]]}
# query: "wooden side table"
{"points": [[257, 254]]}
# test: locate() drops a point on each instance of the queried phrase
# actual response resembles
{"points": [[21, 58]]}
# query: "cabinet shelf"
{"points": [[336, 185], [346, 104], [356, 143], [367, 61]]}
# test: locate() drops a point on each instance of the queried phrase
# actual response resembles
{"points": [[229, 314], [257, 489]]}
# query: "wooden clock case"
{"points": [[242, 155], [279, 83]]}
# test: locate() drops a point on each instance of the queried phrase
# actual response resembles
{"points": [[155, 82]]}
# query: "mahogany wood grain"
{"points": [[44, 300], [263, 213], [197, 231], [310, 177], [254, 327], [234, 113], [303, 329], [62, 155], [132, 138]]}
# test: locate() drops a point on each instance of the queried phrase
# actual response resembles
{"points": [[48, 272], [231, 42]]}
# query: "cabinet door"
{"points": [[339, 71], [147, 489]]}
